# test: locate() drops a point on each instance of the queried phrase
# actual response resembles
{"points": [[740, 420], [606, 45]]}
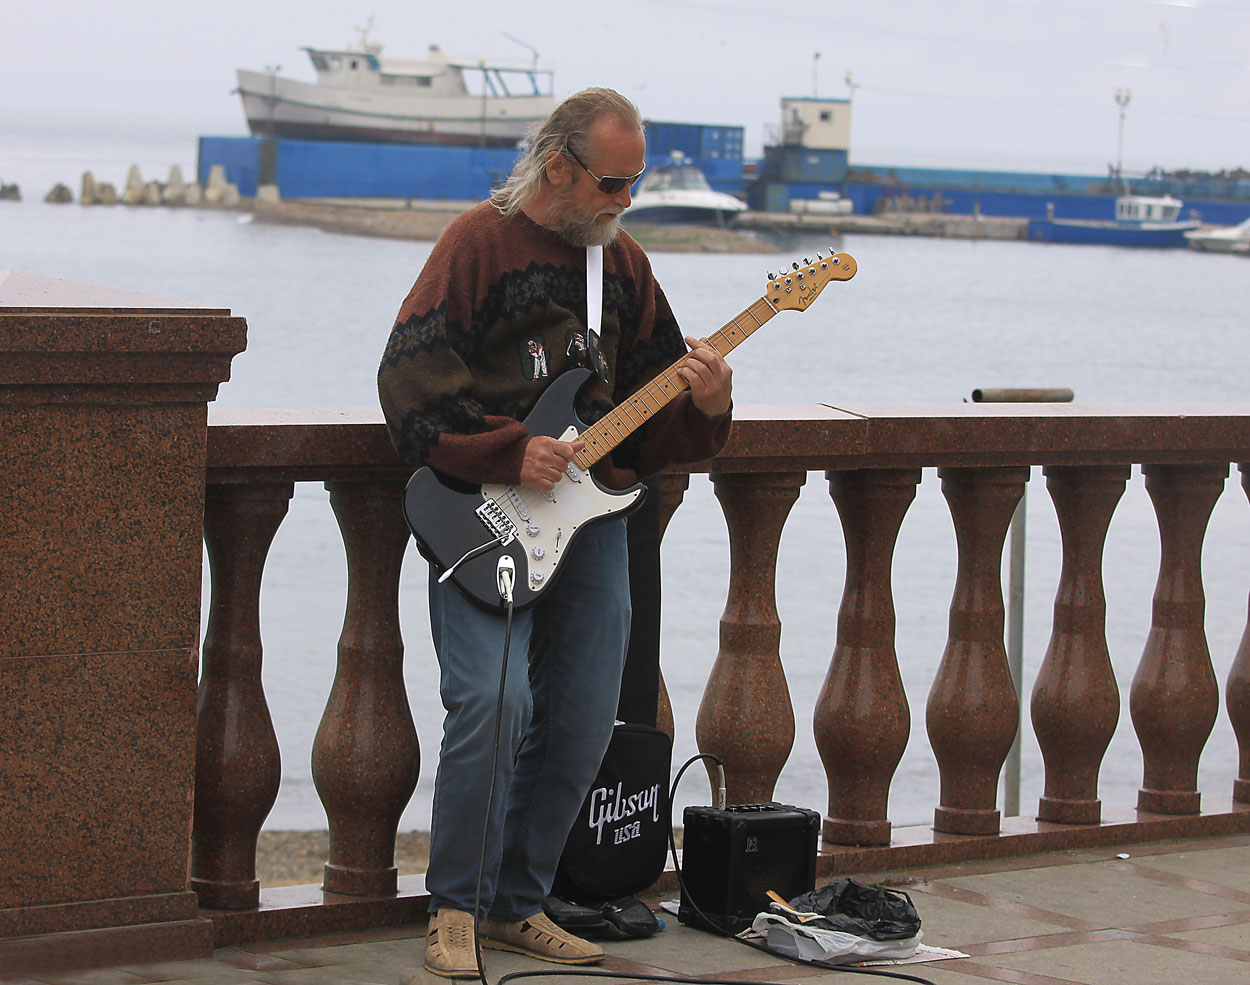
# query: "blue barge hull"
{"points": [[1095, 232]]}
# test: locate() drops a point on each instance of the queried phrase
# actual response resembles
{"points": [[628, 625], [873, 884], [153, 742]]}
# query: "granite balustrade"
{"points": [[130, 807], [872, 457]]}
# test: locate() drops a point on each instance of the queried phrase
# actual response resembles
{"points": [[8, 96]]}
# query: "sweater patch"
{"points": [[533, 352]]}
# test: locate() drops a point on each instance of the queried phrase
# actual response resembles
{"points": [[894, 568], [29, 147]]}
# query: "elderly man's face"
{"points": [[581, 213]]}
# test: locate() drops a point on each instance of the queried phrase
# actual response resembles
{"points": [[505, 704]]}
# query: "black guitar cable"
{"points": [[505, 574]]}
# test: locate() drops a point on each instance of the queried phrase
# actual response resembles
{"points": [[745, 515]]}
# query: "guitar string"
{"points": [[598, 438]]}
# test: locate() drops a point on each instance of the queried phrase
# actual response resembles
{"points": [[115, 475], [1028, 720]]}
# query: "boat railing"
{"points": [[366, 757]]}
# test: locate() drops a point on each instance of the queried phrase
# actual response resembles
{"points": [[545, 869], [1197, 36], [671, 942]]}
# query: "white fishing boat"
{"points": [[1140, 220], [362, 95], [1222, 239], [680, 193]]}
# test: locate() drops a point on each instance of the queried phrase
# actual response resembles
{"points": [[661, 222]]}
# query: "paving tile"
{"points": [[1101, 895], [91, 976], [408, 950], [955, 924], [1228, 867], [253, 961], [684, 950], [1235, 936], [1126, 962], [364, 971], [177, 971], [939, 973]]}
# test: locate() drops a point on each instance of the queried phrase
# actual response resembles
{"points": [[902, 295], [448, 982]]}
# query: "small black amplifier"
{"points": [[731, 858]]}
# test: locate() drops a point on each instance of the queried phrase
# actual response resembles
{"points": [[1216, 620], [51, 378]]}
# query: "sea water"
{"points": [[924, 320]]}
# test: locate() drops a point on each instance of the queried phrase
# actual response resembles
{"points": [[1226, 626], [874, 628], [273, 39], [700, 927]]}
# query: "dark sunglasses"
{"points": [[609, 185]]}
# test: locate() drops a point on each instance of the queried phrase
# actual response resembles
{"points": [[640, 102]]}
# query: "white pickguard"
{"points": [[546, 521]]}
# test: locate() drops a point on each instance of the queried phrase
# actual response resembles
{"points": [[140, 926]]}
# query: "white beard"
{"points": [[580, 229]]}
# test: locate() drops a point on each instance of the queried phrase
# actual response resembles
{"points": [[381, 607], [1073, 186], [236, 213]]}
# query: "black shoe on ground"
{"points": [[572, 916], [626, 918]]}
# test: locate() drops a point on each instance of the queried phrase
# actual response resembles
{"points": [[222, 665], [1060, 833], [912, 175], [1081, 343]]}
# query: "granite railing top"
{"points": [[337, 443]]}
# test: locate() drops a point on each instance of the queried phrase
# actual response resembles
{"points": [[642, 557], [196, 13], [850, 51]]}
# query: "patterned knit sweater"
{"points": [[499, 311]]}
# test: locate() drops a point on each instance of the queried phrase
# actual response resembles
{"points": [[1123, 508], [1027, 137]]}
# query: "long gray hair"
{"points": [[568, 126]]}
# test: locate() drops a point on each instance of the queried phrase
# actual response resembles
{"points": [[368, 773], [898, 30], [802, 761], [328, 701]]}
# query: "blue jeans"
{"points": [[558, 712]]}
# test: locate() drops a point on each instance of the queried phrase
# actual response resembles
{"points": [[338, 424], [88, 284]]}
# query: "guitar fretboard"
{"points": [[628, 416]]}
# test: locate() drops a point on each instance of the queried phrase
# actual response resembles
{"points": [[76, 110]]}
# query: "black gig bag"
{"points": [[619, 841]]}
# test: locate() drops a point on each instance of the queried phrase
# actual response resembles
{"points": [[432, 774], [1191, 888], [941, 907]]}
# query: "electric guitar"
{"points": [[471, 534]]}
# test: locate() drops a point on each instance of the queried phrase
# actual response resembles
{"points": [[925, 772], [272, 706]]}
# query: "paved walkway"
{"points": [[1175, 913]]}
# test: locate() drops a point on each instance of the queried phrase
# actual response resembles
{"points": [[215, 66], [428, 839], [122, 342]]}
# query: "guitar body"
{"points": [[449, 519]]}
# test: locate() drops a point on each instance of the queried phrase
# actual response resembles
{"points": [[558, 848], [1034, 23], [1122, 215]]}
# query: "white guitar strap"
{"points": [[594, 292], [594, 309]]}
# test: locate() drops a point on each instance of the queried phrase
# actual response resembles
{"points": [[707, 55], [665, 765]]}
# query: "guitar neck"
{"points": [[627, 417]]}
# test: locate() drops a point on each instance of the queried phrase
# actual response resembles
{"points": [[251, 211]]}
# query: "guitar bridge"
{"points": [[491, 515]]}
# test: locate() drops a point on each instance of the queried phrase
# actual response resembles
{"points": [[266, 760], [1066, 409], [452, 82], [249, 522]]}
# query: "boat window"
{"points": [[407, 81], [336, 62], [675, 179], [353, 64], [320, 63], [826, 116]]}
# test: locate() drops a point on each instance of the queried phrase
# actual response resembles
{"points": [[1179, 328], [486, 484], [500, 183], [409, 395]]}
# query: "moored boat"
{"points": [[679, 193], [1222, 239], [362, 95], [1140, 220]]}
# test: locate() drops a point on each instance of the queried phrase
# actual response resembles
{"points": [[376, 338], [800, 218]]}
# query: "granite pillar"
{"points": [[862, 719], [1174, 697], [746, 717], [238, 766], [366, 757], [972, 713], [103, 398], [1076, 703]]}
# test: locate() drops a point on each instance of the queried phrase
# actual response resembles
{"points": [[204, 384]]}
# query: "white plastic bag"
{"points": [[814, 944]]}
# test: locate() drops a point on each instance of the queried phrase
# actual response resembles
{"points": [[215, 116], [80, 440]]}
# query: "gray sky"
{"points": [[1011, 84]]}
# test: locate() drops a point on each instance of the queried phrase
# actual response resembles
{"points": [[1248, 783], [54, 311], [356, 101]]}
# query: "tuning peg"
{"points": [[806, 261], [771, 275], [795, 265]]}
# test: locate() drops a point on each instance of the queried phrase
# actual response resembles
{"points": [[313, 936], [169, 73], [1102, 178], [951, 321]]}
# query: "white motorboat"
{"points": [[362, 95], [1222, 239], [680, 194]]}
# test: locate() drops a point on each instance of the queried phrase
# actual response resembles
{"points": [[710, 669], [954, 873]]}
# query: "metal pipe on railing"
{"points": [[1022, 395], [1015, 581]]}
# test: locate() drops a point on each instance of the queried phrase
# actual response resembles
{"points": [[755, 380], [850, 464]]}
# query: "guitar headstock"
{"points": [[795, 289]]}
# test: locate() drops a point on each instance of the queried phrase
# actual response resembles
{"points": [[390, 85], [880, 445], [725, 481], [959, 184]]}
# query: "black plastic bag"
{"points": [[855, 908]]}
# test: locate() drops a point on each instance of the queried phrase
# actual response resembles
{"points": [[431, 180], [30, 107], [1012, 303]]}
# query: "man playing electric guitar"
{"points": [[498, 313]]}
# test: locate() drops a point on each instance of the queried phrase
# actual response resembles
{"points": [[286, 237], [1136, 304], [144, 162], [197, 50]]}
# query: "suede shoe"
{"points": [[449, 949], [538, 937]]}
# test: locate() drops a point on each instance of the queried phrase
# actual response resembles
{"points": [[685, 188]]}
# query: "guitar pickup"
{"points": [[518, 504], [491, 515]]}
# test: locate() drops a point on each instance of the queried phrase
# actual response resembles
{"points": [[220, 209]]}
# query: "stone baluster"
{"points": [[365, 755], [672, 491], [237, 763], [862, 719], [746, 717], [1175, 698], [972, 713], [1075, 702], [1237, 694]]}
